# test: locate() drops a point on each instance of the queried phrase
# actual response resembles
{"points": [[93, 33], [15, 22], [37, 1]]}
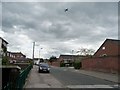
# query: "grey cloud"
{"points": [[0, 16], [47, 23]]}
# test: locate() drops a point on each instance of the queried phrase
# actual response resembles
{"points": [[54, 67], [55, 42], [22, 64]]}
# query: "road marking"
{"points": [[92, 86], [64, 69]]}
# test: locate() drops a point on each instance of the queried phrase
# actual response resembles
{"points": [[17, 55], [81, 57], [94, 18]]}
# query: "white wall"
{"points": [[0, 51], [0, 43], [4, 43]]}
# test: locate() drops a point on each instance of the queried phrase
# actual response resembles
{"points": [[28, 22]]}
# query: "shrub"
{"points": [[62, 64], [77, 65], [5, 60]]}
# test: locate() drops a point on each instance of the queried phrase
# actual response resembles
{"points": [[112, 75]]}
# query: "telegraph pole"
{"points": [[33, 50]]}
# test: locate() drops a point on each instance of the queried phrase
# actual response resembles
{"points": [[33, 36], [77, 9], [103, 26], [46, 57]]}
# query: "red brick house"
{"points": [[69, 59], [16, 56], [105, 59], [108, 48]]}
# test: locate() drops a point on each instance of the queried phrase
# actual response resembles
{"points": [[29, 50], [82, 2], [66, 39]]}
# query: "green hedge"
{"points": [[62, 65], [77, 65], [5, 60]]}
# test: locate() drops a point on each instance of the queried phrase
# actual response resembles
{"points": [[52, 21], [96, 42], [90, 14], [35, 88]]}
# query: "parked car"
{"points": [[44, 67]]}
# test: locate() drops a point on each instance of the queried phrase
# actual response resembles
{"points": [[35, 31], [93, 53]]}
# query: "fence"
{"points": [[20, 80], [22, 77]]}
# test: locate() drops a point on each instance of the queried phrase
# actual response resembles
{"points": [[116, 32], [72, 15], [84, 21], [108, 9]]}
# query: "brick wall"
{"points": [[104, 64], [57, 64]]}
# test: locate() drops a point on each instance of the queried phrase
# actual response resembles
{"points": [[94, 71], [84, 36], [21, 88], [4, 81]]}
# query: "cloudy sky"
{"points": [[85, 25]]}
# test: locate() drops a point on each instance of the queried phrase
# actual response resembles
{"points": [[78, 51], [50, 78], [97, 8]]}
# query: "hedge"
{"points": [[62, 65], [77, 65]]}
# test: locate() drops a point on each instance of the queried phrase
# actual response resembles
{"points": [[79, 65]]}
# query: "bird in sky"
{"points": [[66, 9]]}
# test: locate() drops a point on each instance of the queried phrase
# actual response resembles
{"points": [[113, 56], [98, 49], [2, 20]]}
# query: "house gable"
{"points": [[108, 48]]}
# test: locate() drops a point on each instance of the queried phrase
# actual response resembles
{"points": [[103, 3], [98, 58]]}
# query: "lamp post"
{"points": [[33, 50], [72, 55]]}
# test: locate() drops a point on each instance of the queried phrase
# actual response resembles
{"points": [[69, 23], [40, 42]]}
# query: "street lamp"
{"points": [[72, 55], [33, 50]]}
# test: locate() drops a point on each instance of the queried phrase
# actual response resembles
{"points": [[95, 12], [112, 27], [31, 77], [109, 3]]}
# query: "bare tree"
{"points": [[85, 51]]}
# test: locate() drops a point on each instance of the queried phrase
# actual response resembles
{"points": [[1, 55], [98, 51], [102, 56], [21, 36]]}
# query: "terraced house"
{"points": [[69, 59], [16, 57]]}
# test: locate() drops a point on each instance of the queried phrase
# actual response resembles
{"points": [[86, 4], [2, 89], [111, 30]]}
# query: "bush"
{"points": [[5, 60], [62, 64], [77, 65]]}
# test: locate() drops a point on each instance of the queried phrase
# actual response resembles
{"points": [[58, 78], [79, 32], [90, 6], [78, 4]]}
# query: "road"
{"points": [[67, 77], [63, 78]]}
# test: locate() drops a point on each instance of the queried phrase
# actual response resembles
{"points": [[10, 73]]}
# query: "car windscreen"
{"points": [[44, 65]]}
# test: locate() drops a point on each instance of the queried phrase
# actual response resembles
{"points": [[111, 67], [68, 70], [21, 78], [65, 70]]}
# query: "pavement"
{"points": [[101, 75], [41, 80]]}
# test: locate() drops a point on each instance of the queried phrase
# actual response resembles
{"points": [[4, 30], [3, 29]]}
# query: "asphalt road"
{"points": [[67, 77], [64, 79]]}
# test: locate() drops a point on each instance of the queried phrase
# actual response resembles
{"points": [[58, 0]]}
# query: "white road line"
{"points": [[92, 86]]}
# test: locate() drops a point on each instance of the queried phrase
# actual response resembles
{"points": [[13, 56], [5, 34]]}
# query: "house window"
{"points": [[103, 48], [8, 54], [104, 55], [65, 61]]}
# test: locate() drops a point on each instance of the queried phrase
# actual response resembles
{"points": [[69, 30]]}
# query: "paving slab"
{"points": [[41, 80]]}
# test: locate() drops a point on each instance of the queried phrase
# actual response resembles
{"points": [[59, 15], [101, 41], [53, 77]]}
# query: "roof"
{"points": [[70, 56], [4, 40], [114, 41], [37, 58], [17, 53]]}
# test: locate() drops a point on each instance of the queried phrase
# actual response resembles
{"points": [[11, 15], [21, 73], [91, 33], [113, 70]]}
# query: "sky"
{"points": [[54, 31]]}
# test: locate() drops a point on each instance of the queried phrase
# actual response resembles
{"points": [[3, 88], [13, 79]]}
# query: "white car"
{"points": [[37, 62]]}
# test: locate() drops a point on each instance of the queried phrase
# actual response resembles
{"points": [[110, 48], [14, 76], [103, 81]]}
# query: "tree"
{"points": [[86, 52], [52, 59], [41, 60], [5, 60]]}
